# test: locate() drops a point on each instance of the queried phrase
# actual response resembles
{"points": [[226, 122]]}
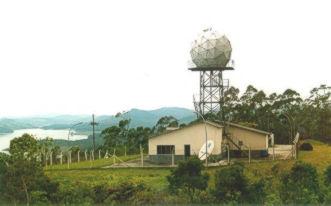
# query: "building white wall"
{"points": [[193, 135], [255, 140]]}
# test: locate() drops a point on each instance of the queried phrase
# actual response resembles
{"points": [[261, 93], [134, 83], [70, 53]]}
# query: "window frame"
{"points": [[165, 149]]}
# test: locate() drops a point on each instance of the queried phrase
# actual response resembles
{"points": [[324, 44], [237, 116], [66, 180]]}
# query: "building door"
{"points": [[187, 150]]}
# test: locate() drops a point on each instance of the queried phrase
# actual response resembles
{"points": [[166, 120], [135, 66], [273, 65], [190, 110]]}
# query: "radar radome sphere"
{"points": [[211, 50]]}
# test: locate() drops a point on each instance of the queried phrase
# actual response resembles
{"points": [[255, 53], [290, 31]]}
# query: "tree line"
{"points": [[283, 114]]}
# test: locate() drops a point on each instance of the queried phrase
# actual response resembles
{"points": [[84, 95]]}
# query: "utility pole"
{"points": [[93, 123], [206, 135], [69, 143]]}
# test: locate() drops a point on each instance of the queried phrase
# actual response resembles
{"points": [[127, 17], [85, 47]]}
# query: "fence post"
{"points": [[99, 154], [68, 159], [91, 156], [46, 159], [142, 156], [61, 158], [249, 155], [114, 160], [106, 155], [85, 155], [78, 156], [172, 159], [51, 158], [228, 150], [125, 151]]}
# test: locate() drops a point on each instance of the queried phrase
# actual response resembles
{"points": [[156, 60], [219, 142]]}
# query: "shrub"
{"points": [[188, 177], [205, 197], [152, 197], [125, 191], [256, 192], [49, 187], [273, 199], [230, 184], [300, 185], [327, 198], [275, 169], [38, 197], [100, 193], [327, 175], [79, 194], [3, 167], [306, 147]]}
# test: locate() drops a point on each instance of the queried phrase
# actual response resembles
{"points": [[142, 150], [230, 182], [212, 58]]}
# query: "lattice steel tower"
{"points": [[212, 88], [211, 54]]}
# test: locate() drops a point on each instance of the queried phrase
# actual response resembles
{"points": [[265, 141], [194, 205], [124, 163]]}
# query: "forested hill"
{"points": [[146, 118]]}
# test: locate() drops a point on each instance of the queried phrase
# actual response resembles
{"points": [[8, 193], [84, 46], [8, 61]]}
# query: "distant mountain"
{"points": [[8, 125], [146, 118], [177, 112]]}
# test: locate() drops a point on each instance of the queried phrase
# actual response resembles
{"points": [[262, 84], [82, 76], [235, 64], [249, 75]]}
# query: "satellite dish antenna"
{"points": [[202, 152]]}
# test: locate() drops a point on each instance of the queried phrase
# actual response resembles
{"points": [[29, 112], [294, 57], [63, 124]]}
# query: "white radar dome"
{"points": [[211, 49]]}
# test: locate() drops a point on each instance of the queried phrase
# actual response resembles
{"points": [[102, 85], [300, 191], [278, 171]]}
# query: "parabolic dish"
{"points": [[210, 147], [211, 49]]}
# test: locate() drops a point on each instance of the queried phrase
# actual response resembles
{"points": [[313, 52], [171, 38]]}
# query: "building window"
{"points": [[165, 149]]}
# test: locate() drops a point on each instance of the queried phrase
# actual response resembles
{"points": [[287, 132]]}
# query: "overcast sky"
{"points": [[82, 57]]}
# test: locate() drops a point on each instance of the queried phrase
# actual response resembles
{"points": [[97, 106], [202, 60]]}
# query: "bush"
{"points": [[231, 184], [273, 199], [80, 194], [205, 197], [152, 197], [256, 192], [300, 185], [327, 198], [100, 193], [39, 197], [306, 147], [3, 167], [125, 191], [327, 175], [188, 177], [275, 169]]}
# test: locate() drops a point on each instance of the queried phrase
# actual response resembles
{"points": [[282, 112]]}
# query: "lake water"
{"points": [[39, 133]]}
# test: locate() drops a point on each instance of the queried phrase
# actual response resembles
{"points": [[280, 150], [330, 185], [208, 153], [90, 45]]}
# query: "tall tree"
{"points": [[164, 122], [24, 173]]}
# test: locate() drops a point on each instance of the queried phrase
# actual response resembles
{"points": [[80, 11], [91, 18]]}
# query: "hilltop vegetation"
{"points": [[88, 182], [157, 187]]}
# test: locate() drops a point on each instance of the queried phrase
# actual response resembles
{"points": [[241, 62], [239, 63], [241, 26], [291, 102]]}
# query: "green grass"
{"points": [[151, 177], [320, 157], [90, 164]]}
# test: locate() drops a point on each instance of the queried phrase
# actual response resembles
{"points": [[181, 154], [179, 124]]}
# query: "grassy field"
{"points": [[151, 177], [155, 178], [99, 163]]}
